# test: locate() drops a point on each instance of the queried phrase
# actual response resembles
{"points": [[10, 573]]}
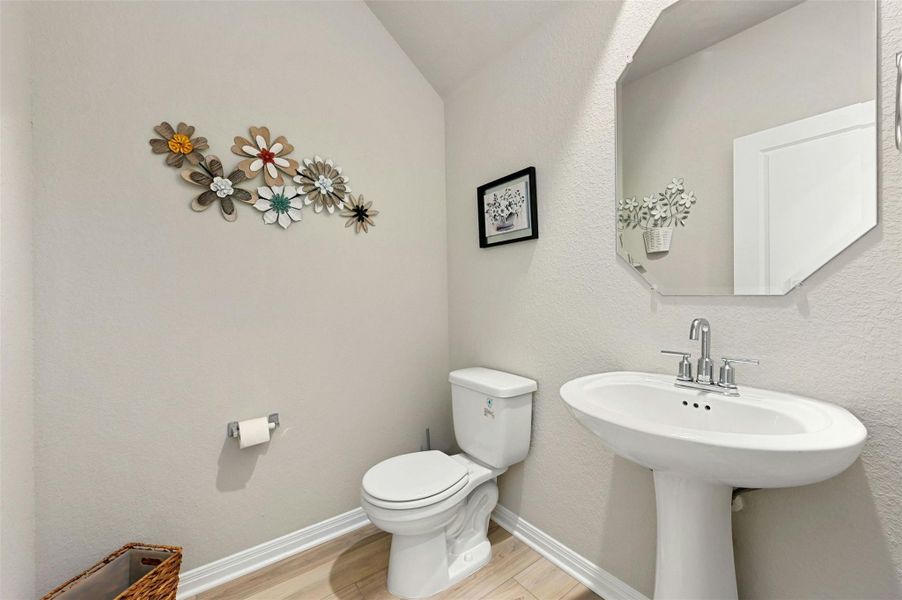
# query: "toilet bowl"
{"points": [[438, 538], [436, 506]]}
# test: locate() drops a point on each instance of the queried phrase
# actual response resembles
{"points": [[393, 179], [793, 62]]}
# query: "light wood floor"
{"points": [[353, 567]]}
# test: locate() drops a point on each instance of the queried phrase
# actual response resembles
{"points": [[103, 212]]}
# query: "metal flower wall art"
{"points": [[265, 157], [359, 214], [177, 144], [323, 184], [319, 181], [217, 187]]}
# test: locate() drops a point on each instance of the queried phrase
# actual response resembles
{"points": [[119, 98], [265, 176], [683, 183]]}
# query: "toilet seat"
{"points": [[414, 480]]}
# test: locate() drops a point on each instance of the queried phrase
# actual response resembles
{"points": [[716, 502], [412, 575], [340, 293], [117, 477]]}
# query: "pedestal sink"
{"points": [[700, 446]]}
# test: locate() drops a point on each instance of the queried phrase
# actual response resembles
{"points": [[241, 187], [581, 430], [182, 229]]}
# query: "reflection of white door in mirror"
{"points": [[802, 192]]}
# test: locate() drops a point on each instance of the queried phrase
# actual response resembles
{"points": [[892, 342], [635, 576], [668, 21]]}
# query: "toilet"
{"points": [[436, 506]]}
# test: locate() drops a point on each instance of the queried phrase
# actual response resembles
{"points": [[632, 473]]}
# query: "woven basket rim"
{"points": [[175, 552]]}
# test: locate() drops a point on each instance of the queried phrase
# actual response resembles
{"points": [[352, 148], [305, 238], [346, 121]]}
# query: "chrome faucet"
{"points": [[705, 364], [726, 384]]}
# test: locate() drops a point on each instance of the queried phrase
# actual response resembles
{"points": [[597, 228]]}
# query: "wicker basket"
{"points": [[134, 572]]}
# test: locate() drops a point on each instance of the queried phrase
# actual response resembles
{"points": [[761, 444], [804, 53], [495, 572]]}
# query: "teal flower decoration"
{"points": [[279, 204]]}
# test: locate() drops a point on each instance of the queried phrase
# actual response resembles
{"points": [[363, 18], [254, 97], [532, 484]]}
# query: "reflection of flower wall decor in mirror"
{"points": [[657, 215], [320, 182], [508, 209]]}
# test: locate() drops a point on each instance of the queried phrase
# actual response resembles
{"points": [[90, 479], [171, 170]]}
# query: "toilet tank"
{"points": [[492, 414]]}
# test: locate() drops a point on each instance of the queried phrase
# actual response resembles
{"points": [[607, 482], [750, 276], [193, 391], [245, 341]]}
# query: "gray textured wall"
{"points": [[16, 388], [565, 306], [155, 325]]}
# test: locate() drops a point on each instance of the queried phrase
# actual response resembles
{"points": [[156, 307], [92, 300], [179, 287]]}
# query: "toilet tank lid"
{"points": [[494, 383]]}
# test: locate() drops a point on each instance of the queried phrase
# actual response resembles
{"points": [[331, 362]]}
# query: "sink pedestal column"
{"points": [[695, 539]]}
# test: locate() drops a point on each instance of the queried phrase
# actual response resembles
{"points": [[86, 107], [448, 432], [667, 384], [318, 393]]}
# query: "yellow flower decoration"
{"points": [[178, 144], [181, 144]]}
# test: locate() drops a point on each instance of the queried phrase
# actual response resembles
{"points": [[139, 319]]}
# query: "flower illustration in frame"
{"points": [[507, 209]]}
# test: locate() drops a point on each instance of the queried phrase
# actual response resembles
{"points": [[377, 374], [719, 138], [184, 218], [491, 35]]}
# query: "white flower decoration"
{"points": [[222, 187], [322, 184], [659, 213], [505, 206], [279, 203], [687, 200]]}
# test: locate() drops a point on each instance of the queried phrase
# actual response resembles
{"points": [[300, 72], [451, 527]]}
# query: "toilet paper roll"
{"points": [[253, 432]]}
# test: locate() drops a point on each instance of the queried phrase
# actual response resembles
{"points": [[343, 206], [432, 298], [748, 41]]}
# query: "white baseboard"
{"points": [[226, 569], [589, 574]]}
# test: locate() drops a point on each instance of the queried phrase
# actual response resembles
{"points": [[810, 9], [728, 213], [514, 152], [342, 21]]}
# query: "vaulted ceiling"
{"points": [[449, 41]]}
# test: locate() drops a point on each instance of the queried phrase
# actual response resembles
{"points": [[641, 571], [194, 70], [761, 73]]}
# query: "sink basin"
{"points": [[759, 439], [700, 446]]}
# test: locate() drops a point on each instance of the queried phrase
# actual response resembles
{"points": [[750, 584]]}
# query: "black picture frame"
{"points": [[530, 231]]}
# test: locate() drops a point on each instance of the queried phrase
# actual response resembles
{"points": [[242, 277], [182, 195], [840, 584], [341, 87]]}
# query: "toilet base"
{"points": [[422, 565], [468, 563]]}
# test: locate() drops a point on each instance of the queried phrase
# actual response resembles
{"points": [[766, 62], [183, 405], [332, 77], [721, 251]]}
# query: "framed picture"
{"points": [[508, 210]]}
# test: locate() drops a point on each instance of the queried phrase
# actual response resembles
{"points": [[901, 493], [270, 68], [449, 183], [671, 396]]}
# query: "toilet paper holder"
{"points": [[232, 428]]}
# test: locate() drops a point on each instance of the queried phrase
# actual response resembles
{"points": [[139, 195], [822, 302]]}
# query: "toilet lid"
{"points": [[413, 476]]}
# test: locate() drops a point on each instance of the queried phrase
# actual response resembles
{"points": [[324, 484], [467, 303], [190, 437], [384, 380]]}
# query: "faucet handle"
{"points": [[685, 369], [727, 377]]}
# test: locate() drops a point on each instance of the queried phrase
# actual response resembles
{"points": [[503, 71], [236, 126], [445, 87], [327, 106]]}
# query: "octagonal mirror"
{"points": [[747, 143]]}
